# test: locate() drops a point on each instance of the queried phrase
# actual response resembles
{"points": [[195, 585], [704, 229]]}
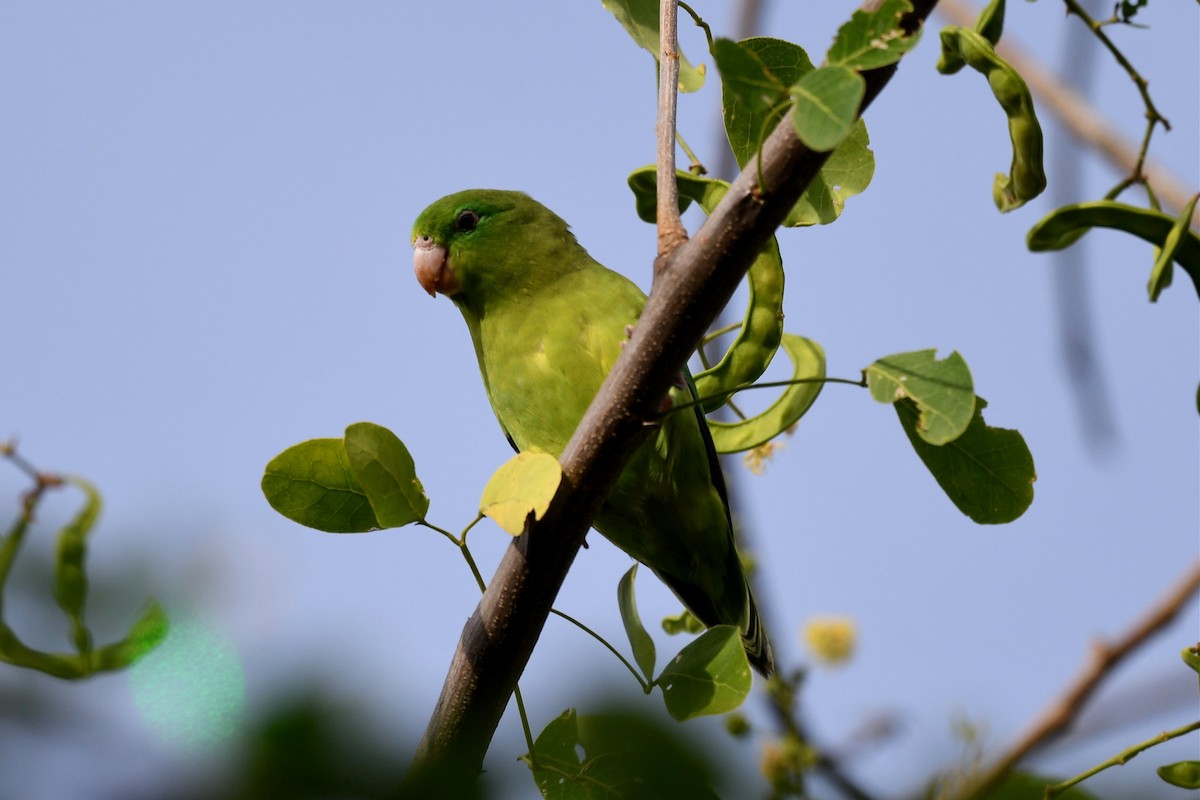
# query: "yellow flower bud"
{"points": [[830, 639]]}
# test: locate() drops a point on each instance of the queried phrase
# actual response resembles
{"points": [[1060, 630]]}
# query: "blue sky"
{"points": [[204, 220]]}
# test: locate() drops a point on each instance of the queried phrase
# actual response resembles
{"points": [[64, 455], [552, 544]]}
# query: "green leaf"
{"points": [[747, 86], [827, 101], [558, 764], [986, 472], [381, 464], [523, 486], [70, 574], [1160, 274], [848, 170], [874, 39], [639, 640], [1062, 227], [1184, 774], [639, 18], [942, 390], [808, 362], [683, 622], [1025, 786], [312, 483], [614, 756], [709, 676]]}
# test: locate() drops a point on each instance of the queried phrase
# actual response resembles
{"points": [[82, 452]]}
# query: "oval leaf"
{"points": [[986, 472], [311, 483], [709, 676], [942, 390], [808, 360], [849, 169], [524, 485], [827, 103], [558, 764], [384, 469]]}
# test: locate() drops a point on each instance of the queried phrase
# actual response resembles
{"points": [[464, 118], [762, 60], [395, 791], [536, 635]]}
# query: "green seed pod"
{"points": [[1026, 178]]}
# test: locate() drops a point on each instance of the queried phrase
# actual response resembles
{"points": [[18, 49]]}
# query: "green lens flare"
{"points": [[190, 690]]}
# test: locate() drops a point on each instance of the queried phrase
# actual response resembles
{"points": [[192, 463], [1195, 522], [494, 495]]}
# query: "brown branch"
{"points": [[1078, 115], [1104, 657], [671, 232], [694, 284]]}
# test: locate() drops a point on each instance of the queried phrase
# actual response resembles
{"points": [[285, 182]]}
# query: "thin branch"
{"points": [[671, 232], [1078, 116], [695, 282], [1121, 758], [1058, 717]]}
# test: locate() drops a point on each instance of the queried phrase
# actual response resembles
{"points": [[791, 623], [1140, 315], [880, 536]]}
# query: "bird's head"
{"points": [[486, 242]]}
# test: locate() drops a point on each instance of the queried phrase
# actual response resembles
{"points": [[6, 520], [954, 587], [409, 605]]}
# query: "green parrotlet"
{"points": [[548, 323]]}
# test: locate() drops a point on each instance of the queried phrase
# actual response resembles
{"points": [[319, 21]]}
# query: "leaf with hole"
{"points": [[873, 39], [941, 388]]}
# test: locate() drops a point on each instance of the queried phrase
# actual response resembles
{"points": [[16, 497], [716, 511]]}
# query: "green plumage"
{"points": [[548, 323]]}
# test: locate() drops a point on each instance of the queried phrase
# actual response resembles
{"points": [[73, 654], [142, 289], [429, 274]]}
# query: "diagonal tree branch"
{"points": [[695, 282], [1060, 715]]}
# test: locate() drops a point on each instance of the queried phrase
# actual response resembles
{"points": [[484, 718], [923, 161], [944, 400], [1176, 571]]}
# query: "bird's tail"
{"points": [[755, 641]]}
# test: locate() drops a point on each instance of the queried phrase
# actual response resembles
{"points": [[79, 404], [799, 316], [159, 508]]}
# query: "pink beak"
{"points": [[433, 273]]}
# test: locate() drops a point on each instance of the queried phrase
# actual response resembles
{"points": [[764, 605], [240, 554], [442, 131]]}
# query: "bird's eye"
{"points": [[466, 221]]}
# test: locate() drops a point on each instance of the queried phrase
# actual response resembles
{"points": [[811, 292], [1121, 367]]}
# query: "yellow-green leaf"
{"points": [[522, 487]]}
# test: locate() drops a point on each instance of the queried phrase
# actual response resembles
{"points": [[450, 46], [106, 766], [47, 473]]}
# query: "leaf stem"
{"points": [[646, 687], [1120, 758], [1153, 117], [460, 542], [696, 18]]}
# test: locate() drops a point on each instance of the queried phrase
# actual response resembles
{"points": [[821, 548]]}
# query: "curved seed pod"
{"points": [[762, 326], [70, 574], [808, 360], [1063, 226], [1026, 178]]}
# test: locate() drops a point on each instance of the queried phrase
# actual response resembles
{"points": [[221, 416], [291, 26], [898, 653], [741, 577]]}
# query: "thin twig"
{"points": [[1121, 758], [671, 232], [1079, 116], [1058, 717]]}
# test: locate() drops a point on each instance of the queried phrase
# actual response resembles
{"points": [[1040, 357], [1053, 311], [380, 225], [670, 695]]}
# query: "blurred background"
{"points": [[204, 259]]}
